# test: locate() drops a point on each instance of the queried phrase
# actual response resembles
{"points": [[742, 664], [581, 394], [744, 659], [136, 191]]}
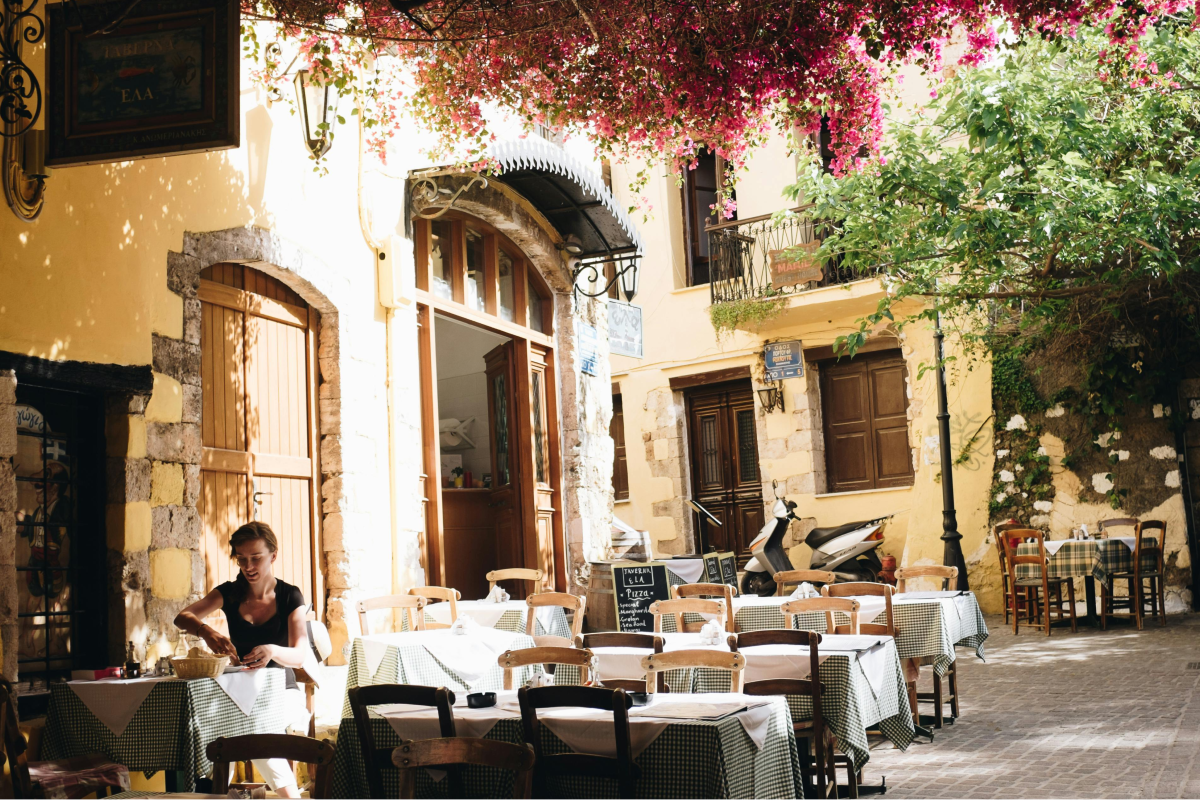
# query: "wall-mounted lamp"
{"points": [[771, 398], [317, 105], [571, 245], [625, 265]]}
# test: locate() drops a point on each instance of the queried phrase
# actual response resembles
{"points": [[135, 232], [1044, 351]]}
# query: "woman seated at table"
{"points": [[266, 629]]}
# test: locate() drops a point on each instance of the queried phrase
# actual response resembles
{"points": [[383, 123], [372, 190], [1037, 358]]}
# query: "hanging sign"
{"points": [[165, 81], [795, 265], [624, 329], [783, 360], [635, 587], [589, 348]]}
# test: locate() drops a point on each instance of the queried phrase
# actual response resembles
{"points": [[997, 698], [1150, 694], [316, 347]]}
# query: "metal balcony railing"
{"points": [[753, 258]]}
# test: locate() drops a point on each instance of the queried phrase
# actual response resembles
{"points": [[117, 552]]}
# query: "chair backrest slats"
{"points": [[721, 591], [567, 602], [620, 767], [731, 662], [441, 594], [787, 577], [864, 589], [571, 656], [947, 575], [531, 576], [464, 751], [689, 605], [414, 608], [228, 750], [383, 694], [827, 606], [1154, 530]]}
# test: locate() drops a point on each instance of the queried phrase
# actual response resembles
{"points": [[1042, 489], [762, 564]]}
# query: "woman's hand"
{"points": [[259, 657], [219, 643]]}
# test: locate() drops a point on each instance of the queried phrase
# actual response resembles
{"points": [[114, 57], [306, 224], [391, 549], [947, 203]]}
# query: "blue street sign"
{"points": [[783, 360]]}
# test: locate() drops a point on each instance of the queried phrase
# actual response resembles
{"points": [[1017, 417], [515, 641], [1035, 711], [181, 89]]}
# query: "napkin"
{"points": [[540, 679], [243, 687], [464, 625], [805, 590], [711, 633], [496, 595], [115, 701]]}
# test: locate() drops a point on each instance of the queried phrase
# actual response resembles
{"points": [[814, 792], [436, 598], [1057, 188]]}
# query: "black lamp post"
{"points": [[953, 556]]}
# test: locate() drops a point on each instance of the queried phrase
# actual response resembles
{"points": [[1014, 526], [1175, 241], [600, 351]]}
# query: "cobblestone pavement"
{"points": [[1111, 713]]}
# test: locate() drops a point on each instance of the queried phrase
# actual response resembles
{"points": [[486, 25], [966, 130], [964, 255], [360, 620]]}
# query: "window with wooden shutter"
{"points": [[616, 430], [700, 190], [865, 406]]}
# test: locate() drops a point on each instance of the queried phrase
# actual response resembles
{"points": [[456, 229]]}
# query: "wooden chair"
{"points": [[1013, 601], [1039, 605], [225, 751], [658, 663], [67, 777], [459, 752], [821, 770], [863, 589], [948, 577], [823, 605], [1135, 602], [567, 602], [532, 576], [572, 656], [721, 591], [640, 641], [441, 594], [787, 577], [690, 605], [376, 759], [619, 767], [414, 610]]}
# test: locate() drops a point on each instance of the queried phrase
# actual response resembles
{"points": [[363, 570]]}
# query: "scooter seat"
{"points": [[818, 536]]}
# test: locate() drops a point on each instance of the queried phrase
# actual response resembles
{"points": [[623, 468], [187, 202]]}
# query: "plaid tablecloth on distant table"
{"points": [[414, 664], [1078, 558], [688, 759], [928, 629], [170, 730]]}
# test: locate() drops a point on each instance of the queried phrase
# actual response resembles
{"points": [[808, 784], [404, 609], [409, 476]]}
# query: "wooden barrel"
{"points": [[601, 612]]}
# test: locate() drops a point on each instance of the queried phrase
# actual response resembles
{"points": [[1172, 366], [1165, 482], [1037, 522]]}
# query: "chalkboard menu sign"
{"points": [[729, 570], [636, 586], [712, 568]]}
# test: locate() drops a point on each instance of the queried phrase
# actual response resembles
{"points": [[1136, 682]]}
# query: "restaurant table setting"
{"points": [[463, 660], [162, 723], [1088, 558], [687, 745], [863, 678]]}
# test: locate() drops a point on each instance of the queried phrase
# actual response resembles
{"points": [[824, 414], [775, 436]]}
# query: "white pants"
{"points": [[276, 771]]}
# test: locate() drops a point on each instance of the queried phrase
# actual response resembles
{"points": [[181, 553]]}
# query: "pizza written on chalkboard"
{"points": [[729, 570], [636, 586]]}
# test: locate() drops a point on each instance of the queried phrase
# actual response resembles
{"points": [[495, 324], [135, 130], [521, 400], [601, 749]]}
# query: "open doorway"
{"points": [[475, 438]]}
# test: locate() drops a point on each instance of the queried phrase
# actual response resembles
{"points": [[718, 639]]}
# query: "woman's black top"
{"points": [[245, 635]]}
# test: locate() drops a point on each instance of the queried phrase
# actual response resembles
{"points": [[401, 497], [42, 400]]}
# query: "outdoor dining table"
{"points": [[509, 615], [862, 676], [462, 662], [699, 745], [1091, 559], [162, 724]]}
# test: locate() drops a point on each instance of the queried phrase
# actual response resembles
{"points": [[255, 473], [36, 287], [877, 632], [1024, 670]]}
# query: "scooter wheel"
{"points": [[759, 583]]}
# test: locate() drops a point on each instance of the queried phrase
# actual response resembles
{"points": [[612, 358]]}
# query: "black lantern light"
{"points": [[317, 105], [770, 397]]}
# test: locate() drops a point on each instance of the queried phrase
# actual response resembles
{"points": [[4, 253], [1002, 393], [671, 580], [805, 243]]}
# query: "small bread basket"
{"points": [[191, 669]]}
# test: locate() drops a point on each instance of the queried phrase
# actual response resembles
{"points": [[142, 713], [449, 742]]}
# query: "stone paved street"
{"points": [[1095, 714]]}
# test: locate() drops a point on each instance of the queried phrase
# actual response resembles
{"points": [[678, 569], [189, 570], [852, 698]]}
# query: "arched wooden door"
{"points": [[258, 364]]}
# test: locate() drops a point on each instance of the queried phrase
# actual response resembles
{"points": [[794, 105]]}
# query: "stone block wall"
{"points": [[8, 526], [664, 436]]}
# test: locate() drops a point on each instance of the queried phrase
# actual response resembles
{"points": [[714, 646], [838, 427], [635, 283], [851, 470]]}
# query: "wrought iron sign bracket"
{"points": [[430, 201], [625, 264], [20, 107]]}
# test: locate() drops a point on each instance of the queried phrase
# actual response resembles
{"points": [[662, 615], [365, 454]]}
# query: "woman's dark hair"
{"points": [[253, 531]]}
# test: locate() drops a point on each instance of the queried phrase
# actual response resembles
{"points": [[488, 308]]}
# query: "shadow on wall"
{"points": [[87, 280]]}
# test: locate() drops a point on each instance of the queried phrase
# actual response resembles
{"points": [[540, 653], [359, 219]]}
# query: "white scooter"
{"points": [[848, 551]]}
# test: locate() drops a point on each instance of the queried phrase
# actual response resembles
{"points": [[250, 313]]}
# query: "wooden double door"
{"points": [[725, 480], [259, 457]]}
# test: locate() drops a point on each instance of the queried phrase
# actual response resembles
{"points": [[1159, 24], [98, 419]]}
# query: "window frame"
{"points": [[695, 223]]}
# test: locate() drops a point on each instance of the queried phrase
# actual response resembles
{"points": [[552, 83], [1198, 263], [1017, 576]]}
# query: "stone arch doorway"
{"points": [[260, 446]]}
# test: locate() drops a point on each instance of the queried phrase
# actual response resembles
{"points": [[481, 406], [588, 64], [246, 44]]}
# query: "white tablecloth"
{"points": [[488, 614], [469, 656]]}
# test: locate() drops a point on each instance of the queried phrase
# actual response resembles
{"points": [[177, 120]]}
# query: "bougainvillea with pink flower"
{"points": [[655, 79]]}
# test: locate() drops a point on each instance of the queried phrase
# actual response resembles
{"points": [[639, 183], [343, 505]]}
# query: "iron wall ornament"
{"points": [[20, 92], [430, 201], [625, 267], [164, 80]]}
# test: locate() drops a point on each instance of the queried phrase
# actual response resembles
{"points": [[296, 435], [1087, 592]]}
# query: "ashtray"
{"points": [[481, 700], [640, 698]]}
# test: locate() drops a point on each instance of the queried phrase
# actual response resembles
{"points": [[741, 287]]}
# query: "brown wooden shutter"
{"points": [[865, 404], [620, 464]]}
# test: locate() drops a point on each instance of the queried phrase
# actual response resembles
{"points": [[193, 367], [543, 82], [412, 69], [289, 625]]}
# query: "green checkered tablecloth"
{"points": [[927, 629], [1079, 558], [688, 759], [405, 663], [170, 730]]}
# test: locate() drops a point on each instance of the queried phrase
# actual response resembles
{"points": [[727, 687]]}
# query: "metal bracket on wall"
{"points": [[430, 201], [20, 107]]}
